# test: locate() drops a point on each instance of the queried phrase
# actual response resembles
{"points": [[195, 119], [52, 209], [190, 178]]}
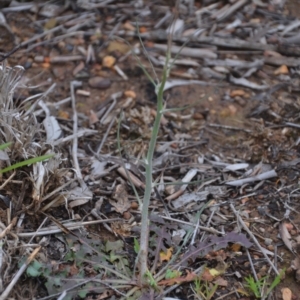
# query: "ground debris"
{"points": [[226, 159]]}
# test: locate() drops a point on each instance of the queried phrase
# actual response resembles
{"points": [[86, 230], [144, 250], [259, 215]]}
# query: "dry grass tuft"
{"points": [[28, 191]]}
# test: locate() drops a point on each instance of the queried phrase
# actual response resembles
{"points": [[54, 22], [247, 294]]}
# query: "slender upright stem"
{"points": [[143, 255]]}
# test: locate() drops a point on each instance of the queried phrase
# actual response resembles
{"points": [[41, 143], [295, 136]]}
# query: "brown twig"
{"points": [[9, 288]]}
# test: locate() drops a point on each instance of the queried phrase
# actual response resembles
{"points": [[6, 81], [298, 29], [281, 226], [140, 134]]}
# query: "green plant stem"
{"points": [[143, 255]]}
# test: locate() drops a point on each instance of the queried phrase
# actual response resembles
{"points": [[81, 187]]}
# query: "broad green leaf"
{"points": [[70, 256], [57, 281], [172, 274], [114, 257], [34, 269], [114, 246], [82, 294], [31, 271]]}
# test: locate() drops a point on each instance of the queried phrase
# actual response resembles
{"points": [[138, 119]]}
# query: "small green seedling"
{"points": [[257, 287], [205, 289]]}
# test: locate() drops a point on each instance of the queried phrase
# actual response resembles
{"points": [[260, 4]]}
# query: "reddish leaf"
{"points": [[190, 276], [214, 243]]}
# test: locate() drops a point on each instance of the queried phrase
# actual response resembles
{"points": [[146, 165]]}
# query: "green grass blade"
{"points": [[275, 282], [26, 162], [4, 146], [253, 286]]}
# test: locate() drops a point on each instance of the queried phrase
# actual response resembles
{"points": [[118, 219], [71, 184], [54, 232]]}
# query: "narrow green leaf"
{"points": [[136, 246], [275, 282], [4, 146], [253, 286], [26, 162]]}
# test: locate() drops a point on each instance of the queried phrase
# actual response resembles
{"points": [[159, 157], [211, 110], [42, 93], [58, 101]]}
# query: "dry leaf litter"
{"points": [[234, 148]]}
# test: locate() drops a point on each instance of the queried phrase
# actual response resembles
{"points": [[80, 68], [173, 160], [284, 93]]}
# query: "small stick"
{"points": [[120, 72], [208, 223], [57, 190], [54, 40], [55, 229], [240, 220], [113, 104], [97, 216], [186, 179], [11, 52], [7, 180], [80, 133], [252, 267], [224, 296], [59, 59], [40, 227], [105, 136], [8, 289], [228, 127], [126, 174], [1, 260], [190, 52], [231, 10], [39, 36], [211, 230], [74, 84], [6, 230]]}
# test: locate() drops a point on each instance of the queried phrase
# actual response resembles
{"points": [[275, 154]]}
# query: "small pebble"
{"points": [[262, 230], [61, 44], [236, 93], [126, 215], [203, 217], [134, 205], [99, 83], [242, 102], [246, 264], [69, 47], [268, 241], [108, 61], [198, 116], [130, 94], [27, 64], [226, 98], [59, 72]]}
